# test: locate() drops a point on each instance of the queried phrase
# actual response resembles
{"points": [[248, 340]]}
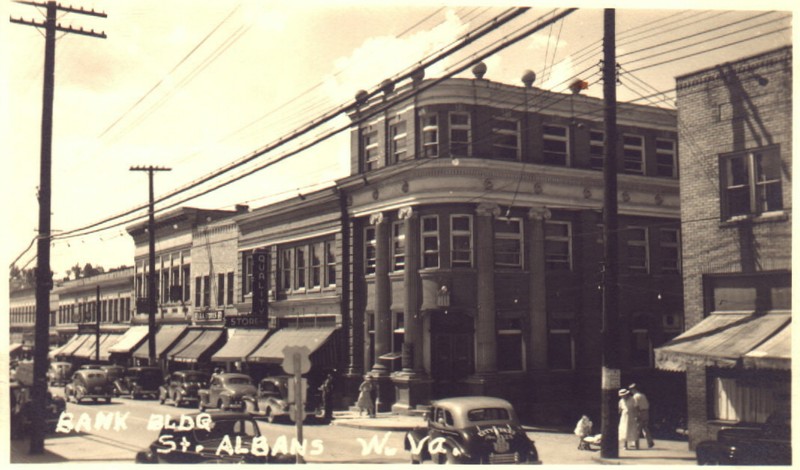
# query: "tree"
{"points": [[76, 271]]}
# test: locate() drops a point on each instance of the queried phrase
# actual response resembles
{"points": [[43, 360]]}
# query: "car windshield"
{"points": [[195, 378], [238, 381], [229, 427], [488, 414]]}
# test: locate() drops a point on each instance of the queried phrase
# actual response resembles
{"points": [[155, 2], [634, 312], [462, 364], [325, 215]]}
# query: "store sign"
{"points": [[246, 321], [210, 315], [87, 328], [260, 285]]}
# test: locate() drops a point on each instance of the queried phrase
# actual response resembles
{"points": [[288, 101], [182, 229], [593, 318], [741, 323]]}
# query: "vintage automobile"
{"points": [[139, 382], [89, 383], [200, 444], [271, 401], [764, 444], [58, 373], [21, 412], [114, 372], [226, 391], [182, 386], [474, 430]]}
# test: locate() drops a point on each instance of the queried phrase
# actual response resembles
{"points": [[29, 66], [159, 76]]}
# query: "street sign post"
{"points": [[296, 361]]}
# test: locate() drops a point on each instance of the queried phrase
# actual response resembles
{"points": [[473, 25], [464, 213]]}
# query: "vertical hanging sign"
{"points": [[260, 284]]}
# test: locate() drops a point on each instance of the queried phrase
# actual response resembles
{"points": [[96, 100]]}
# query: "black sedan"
{"points": [[765, 444], [213, 435], [139, 381], [183, 386]]}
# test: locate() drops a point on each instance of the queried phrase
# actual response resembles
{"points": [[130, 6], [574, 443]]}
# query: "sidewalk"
{"points": [[554, 446]]}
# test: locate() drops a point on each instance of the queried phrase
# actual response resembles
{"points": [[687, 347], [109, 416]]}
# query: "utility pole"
{"points": [[151, 275], [610, 381], [44, 277], [97, 325]]}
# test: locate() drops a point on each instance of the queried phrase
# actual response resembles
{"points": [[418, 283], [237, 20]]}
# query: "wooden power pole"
{"points": [[610, 380], [44, 277]]}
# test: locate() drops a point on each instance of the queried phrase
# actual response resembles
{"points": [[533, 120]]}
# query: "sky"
{"points": [[194, 85]]}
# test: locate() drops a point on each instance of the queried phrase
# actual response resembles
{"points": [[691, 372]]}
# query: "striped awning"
{"points": [[165, 338], [272, 349], [88, 350], [720, 340], [74, 344], [186, 340], [201, 348], [129, 340], [774, 353], [240, 344]]}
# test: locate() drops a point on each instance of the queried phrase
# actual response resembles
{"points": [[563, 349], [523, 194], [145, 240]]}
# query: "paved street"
{"points": [[349, 439]]}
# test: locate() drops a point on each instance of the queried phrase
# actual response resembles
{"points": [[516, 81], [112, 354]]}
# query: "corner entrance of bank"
{"points": [[452, 342]]}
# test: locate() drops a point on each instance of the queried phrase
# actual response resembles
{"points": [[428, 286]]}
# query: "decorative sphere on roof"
{"points": [[387, 86], [479, 70], [361, 96], [417, 75], [528, 77]]}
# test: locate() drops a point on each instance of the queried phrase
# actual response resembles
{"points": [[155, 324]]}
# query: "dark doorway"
{"points": [[452, 338]]}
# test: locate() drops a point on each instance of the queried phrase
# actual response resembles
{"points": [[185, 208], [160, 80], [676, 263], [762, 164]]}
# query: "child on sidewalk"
{"points": [[582, 430]]}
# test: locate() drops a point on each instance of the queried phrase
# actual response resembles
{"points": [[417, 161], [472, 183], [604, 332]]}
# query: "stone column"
{"points": [[485, 328], [383, 319], [537, 307]]}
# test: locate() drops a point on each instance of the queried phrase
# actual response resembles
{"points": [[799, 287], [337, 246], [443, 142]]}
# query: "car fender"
{"points": [[203, 396], [254, 402]]}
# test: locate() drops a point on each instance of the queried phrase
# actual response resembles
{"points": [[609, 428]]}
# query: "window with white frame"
{"points": [[330, 263], [670, 243], [461, 241], [508, 242], [560, 349], [666, 158], [558, 245], [510, 347], [597, 140], [638, 252], [371, 150], [286, 269], [370, 250], [555, 144], [633, 154], [300, 266], [398, 246], [460, 134], [751, 182], [430, 135], [505, 138], [247, 273], [430, 241], [397, 133], [315, 271]]}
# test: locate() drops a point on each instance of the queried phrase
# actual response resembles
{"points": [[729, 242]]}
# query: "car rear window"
{"points": [[488, 414], [239, 380]]}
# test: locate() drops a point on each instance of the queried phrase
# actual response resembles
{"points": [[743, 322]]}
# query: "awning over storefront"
{"points": [[774, 353], [129, 340], [165, 338], [60, 349], [720, 340], [201, 347], [15, 347], [74, 344], [272, 350], [240, 344], [109, 341], [187, 339], [88, 350]]}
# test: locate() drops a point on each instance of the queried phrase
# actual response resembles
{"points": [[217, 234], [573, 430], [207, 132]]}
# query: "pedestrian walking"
{"points": [[326, 390], [627, 419], [642, 406], [582, 430], [364, 402]]}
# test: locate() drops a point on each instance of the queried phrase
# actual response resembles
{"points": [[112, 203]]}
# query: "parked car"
{"points": [[271, 400], [200, 445], [58, 373], [140, 381], [182, 386], [21, 411], [475, 430], [114, 372], [764, 444], [226, 391], [89, 383]]}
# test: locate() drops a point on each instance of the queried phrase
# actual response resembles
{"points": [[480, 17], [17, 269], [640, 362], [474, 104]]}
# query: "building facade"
{"points": [[474, 213], [735, 155]]}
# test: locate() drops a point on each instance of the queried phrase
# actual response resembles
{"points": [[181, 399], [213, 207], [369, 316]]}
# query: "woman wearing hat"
{"points": [[627, 419]]}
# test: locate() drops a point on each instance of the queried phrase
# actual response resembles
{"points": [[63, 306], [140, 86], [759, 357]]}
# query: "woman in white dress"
{"points": [[627, 419]]}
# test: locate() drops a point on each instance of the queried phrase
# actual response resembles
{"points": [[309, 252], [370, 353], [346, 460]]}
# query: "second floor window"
{"points": [[247, 272], [330, 263], [461, 241], [300, 261], [751, 183], [206, 291], [371, 150], [555, 142], [670, 250], [557, 245], [430, 135], [459, 134], [666, 158], [633, 154], [220, 289], [508, 242], [398, 246], [286, 269], [197, 291], [505, 138], [597, 141], [638, 249], [230, 288], [397, 132], [370, 250], [430, 241], [315, 278]]}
